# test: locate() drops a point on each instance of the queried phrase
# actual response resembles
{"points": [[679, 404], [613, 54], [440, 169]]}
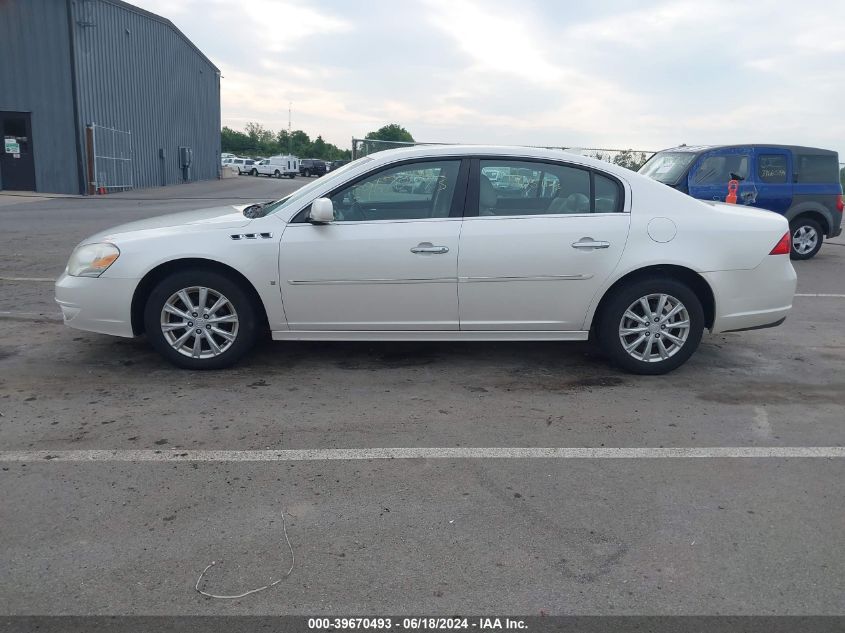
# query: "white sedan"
{"points": [[582, 249]]}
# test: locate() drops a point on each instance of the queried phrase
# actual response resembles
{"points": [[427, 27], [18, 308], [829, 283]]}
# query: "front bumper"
{"points": [[750, 299], [97, 304]]}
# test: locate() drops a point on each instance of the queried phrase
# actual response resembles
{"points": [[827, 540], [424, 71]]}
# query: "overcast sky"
{"points": [[616, 74]]}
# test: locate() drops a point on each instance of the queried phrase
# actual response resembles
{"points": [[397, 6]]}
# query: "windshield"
{"points": [[668, 167], [305, 191]]}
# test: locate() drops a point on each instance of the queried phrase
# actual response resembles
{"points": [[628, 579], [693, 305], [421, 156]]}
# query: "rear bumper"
{"points": [[751, 299], [97, 304]]}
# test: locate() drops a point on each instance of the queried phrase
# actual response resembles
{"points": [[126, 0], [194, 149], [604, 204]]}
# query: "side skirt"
{"points": [[427, 335]]}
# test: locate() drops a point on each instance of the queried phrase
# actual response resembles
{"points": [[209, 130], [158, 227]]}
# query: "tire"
{"points": [[240, 314], [806, 237], [307, 173], [277, 174], [254, 172], [647, 357]]}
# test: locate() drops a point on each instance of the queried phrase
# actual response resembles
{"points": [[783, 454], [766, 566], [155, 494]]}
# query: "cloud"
{"points": [[622, 73]]}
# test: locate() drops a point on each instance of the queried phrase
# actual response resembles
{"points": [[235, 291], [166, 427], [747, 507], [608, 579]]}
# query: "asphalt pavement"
{"points": [[436, 535]]}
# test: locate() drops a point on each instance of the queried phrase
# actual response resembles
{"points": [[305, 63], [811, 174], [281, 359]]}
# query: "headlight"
{"points": [[92, 260]]}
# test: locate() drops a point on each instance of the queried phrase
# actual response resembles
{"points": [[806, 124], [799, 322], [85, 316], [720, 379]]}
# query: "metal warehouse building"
{"points": [[100, 96]]}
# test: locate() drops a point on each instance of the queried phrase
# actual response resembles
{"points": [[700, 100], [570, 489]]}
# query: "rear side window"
{"points": [[513, 188], [817, 168], [771, 168]]}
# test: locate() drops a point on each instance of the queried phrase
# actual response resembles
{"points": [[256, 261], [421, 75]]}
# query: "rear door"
{"points": [[709, 177], [773, 171], [537, 244]]}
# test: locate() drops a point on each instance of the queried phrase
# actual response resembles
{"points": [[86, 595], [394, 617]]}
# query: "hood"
{"points": [[216, 217]]}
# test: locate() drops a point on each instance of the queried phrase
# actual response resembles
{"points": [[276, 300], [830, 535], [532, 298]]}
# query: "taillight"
{"points": [[783, 246], [839, 204]]}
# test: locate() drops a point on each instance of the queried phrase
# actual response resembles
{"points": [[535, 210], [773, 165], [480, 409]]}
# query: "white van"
{"points": [[277, 166]]}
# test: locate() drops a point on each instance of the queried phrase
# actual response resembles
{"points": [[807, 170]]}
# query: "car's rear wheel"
{"points": [[277, 174], [291, 175], [254, 172], [200, 320], [807, 237], [652, 326]]}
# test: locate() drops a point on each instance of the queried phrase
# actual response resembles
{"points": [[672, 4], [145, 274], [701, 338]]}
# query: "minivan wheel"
{"points": [[652, 326], [807, 237], [200, 319]]}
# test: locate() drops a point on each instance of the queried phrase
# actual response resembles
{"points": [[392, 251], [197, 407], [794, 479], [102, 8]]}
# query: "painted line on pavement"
{"points": [[351, 454], [45, 279]]}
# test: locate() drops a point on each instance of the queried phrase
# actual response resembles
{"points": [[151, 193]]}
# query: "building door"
{"points": [[17, 164]]}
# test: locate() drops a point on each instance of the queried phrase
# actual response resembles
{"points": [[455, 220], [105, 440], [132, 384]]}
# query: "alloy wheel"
{"points": [[199, 322], [654, 327], [804, 239]]}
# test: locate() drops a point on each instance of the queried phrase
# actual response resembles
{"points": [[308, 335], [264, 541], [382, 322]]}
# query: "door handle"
{"points": [[428, 247], [588, 243]]}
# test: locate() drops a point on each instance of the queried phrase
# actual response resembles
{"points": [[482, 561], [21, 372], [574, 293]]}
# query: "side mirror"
{"points": [[322, 211]]}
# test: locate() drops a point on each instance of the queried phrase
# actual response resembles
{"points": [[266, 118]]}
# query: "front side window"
{"points": [[719, 169], [771, 168], [406, 192], [510, 187]]}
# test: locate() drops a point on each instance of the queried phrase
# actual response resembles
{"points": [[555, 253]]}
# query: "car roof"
{"points": [[798, 149], [511, 151]]}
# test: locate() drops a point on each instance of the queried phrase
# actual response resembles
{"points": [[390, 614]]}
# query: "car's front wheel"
{"points": [[652, 326], [807, 238], [277, 174], [307, 173], [200, 320]]}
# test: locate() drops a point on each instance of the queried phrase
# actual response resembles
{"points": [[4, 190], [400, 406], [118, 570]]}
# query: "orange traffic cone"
{"points": [[733, 186]]}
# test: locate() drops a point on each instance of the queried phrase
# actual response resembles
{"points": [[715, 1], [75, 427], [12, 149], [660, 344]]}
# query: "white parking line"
{"points": [[45, 279], [820, 294], [322, 454]]}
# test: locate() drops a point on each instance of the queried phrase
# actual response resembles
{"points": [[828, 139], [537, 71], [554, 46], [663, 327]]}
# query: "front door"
{"points": [[389, 260], [709, 177], [539, 240], [17, 164]]}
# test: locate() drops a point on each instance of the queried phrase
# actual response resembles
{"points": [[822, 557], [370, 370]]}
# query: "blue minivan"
{"points": [[801, 183]]}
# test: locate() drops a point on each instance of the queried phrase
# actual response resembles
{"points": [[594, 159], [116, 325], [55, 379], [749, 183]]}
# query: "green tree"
{"points": [[630, 159], [391, 132]]}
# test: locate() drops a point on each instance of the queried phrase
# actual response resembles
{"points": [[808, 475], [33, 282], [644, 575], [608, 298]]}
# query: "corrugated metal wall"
{"points": [[137, 73], [35, 76]]}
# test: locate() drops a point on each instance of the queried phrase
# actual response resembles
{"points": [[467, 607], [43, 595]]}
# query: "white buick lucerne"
{"points": [[487, 244]]}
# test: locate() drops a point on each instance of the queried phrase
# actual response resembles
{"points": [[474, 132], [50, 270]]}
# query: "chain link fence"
{"points": [[630, 158]]}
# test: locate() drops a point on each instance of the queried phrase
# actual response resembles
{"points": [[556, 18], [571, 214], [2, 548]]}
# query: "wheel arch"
{"points": [[696, 283], [155, 275], [813, 212]]}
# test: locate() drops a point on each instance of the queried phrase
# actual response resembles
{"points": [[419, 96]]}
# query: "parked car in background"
{"points": [[243, 165], [336, 164], [277, 166], [312, 167], [606, 253], [224, 156], [800, 183]]}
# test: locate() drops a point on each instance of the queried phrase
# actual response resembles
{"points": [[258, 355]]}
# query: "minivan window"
{"points": [[817, 169], [667, 167], [771, 168]]}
